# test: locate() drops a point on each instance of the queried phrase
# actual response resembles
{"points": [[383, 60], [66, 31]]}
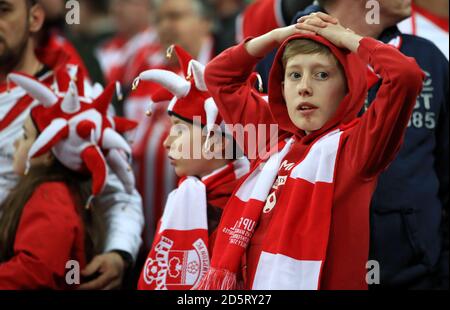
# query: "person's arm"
{"points": [[124, 218], [379, 135], [48, 228]]}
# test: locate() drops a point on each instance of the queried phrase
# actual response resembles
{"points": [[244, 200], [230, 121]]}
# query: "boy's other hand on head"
{"points": [[328, 27], [281, 34], [262, 45]]}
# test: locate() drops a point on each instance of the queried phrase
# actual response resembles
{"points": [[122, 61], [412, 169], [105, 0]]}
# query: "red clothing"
{"points": [[58, 50], [259, 18], [50, 233], [365, 148]]}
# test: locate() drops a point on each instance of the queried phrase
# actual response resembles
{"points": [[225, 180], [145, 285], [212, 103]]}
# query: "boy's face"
{"points": [[23, 145], [313, 87], [185, 149]]}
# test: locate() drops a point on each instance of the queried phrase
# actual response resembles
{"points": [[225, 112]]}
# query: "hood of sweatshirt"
{"points": [[349, 107]]}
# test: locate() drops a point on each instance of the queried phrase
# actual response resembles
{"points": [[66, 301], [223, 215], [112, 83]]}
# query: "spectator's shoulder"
{"points": [[53, 196], [422, 47]]}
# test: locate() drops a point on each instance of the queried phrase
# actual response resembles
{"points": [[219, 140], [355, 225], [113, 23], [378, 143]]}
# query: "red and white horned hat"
{"points": [[188, 96], [78, 130]]}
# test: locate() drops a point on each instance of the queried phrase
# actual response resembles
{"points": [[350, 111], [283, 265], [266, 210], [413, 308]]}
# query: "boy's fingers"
{"points": [[326, 17], [302, 19], [307, 27], [316, 22], [313, 21], [306, 32]]}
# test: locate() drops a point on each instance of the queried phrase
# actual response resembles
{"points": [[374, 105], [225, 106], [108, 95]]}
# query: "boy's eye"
{"points": [[295, 75], [321, 75], [178, 129]]}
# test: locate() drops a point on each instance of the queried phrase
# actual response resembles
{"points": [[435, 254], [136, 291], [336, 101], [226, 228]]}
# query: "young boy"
{"points": [[179, 257], [300, 219]]}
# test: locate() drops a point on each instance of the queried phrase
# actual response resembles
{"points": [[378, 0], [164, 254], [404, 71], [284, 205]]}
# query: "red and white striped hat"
{"points": [[77, 129]]}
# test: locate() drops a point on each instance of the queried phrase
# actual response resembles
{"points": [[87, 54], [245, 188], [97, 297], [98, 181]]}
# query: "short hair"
{"points": [[201, 7], [305, 46]]}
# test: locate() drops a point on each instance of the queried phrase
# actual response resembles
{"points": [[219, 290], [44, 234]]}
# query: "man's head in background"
{"points": [[19, 21], [183, 22], [95, 19], [131, 16], [391, 11], [395, 10]]}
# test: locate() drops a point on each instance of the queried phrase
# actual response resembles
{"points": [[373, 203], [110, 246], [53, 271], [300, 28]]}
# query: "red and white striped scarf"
{"points": [[179, 257], [295, 246]]}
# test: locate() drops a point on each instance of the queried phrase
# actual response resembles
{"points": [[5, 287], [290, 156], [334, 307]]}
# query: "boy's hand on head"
{"points": [[318, 19], [262, 45], [281, 34], [328, 27]]}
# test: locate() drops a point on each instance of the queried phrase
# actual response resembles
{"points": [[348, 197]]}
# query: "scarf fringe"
{"points": [[220, 279]]}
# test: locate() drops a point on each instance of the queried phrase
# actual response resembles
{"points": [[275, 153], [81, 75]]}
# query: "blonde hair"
{"points": [[307, 47]]}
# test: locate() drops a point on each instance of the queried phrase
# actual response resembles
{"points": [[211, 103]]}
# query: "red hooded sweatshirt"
{"points": [[311, 228], [49, 235]]}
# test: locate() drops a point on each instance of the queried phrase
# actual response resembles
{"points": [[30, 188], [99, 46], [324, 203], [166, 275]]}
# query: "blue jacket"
{"points": [[409, 228]]}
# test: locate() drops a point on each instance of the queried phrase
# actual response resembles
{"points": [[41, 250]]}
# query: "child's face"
{"points": [[313, 87], [183, 138], [22, 147]]}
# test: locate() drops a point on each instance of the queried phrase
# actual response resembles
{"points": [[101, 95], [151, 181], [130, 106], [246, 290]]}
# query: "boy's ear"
{"points": [[282, 90]]}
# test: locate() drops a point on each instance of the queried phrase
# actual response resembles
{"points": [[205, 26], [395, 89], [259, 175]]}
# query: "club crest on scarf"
{"points": [[77, 129], [176, 269]]}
